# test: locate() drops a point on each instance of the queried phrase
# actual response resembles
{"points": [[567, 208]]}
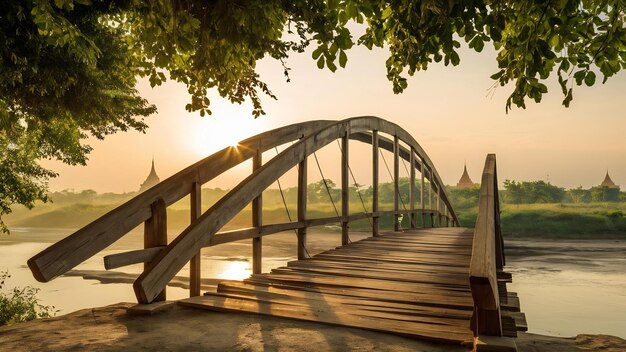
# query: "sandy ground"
{"points": [[183, 329]]}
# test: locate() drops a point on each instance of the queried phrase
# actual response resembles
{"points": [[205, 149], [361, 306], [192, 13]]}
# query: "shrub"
{"points": [[21, 304]]}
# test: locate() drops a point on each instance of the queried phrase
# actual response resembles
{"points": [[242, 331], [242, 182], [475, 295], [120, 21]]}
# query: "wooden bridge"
{"points": [[435, 280]]}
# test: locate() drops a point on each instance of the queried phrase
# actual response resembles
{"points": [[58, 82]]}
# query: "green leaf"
{"points": [[590, 78], [343, 58], [320, 62]]}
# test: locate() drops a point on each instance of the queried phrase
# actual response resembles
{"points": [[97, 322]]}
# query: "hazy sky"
{"points": [[446, 109]]}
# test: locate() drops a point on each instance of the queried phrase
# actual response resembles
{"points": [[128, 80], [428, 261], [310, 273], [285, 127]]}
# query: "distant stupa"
{"points": [[465, 181], [151, 180], [608, 183]]}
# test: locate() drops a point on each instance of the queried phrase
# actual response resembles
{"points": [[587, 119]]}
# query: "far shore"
{"points": [[183, 329]]}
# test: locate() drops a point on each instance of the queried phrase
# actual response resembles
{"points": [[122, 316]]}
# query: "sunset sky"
{"points": [[445, 108]]}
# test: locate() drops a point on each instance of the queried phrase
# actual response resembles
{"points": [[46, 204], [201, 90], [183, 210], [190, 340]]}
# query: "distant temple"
{"points": [[151, 180], [465, 181], [608, 183]]}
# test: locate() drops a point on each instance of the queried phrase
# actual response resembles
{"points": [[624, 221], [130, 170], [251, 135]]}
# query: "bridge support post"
{"points": [[302, 188], [422, 204], [155, 235], [345, 189], [412, 188], [195, 265], [257, 219], [375, 217], [396, 187]]}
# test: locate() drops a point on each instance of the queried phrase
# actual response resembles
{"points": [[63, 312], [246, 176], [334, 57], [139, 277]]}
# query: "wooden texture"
{"points": [[302, 199], [396, 182], [155, 235], [179, 251], [257, 219], [118, 260], [483, 271], [89, 240], [413, 284], [345, 187], [195, 265], [375, 219], [412, 222]]}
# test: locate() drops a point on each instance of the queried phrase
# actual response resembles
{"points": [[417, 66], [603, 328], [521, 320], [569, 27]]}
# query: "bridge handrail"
{"points": [[102, 232], [487, 255], [146, 207], [173, 258]]}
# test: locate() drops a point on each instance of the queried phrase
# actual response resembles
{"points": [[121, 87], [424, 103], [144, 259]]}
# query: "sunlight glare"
{"points": [[236, 270], [215, 133]]}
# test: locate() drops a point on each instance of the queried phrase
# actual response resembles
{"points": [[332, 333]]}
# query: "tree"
{"points": [[68, 67], [577, 194]]}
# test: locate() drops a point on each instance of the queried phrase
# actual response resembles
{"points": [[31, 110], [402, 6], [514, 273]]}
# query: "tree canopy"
{"points": [[68, 68]]}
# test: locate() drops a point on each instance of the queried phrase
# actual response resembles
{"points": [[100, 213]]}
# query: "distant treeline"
{"points": [[537, 192], [322, 191]]}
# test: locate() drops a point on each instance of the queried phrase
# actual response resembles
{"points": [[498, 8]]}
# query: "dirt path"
{"points": [[180, 329]]}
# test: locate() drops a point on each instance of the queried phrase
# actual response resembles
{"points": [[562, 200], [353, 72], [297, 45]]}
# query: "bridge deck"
{"points": [[413, 283]]}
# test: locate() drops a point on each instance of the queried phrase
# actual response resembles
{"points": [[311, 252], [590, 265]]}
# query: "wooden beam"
{"points": [[345, 189], [101, 233], [483, 272], [375, 219], [118, 260], [257, 219], [155, 235], [422, 204], [195, 265], [396, 176], [412, 189], [302, 196]]}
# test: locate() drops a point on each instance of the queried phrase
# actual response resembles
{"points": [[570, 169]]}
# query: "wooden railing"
{"points": [[487, 255], [163, 260]]}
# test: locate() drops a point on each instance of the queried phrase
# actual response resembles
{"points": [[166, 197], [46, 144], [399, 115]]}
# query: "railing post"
{"points": [[302, 189], [155, 234], [195, 265], [483, 265], [345, 189], [375, 217], [439, 212], [431, 198], [257, 219], [412, 188], [396, 187], [422, 204]]}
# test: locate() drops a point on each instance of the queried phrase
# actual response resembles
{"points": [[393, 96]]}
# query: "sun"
{"points": [[215, 133]]}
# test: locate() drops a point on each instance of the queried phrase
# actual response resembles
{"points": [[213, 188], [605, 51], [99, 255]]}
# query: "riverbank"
{"points": [[183, 329]]}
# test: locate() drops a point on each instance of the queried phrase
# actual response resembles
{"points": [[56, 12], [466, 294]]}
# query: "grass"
{"points": [[585, 220], [581, 221]]}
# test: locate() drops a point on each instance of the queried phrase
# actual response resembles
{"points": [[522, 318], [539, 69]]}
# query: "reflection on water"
{"points": [[570, 287], [235, 270], [565, 287]]}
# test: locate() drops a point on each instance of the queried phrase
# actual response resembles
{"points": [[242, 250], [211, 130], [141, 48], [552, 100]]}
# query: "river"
{"points": [[565, 287]]}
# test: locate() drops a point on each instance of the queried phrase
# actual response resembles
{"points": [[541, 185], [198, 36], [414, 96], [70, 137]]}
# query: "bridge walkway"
{"points": [[413, 283]]}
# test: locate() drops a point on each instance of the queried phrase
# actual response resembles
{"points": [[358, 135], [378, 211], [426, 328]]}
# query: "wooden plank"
{"points": [[375, 219], [421, 298], [483, 277], [396, 177], [412, 221], [345, 187], [150, 309], [302, 200], [155, 235], [363, 299], [320, 314], [195, 265], [257, 218], [113, 261]]}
